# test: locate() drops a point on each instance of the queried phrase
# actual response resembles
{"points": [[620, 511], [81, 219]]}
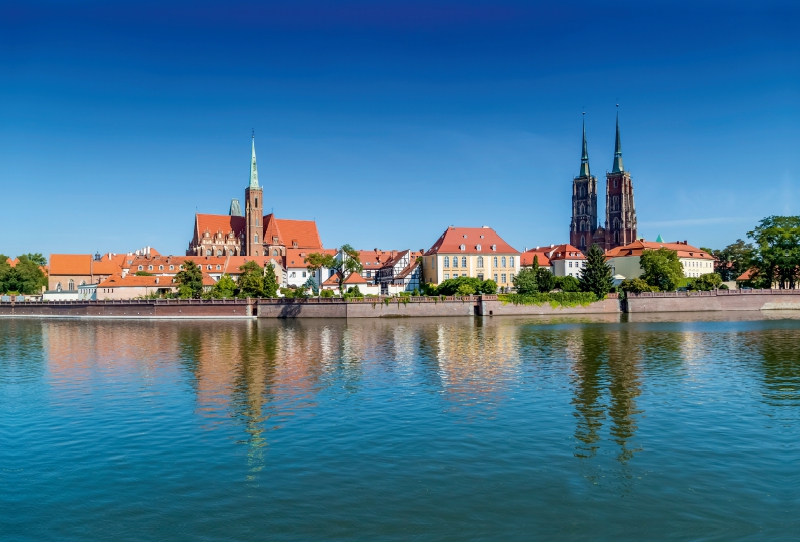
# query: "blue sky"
{"points": [[387, 122]]}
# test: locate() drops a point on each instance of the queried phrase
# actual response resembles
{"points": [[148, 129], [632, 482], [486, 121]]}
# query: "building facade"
{"points": [[624, 260], [471, 252], [584, 203]]}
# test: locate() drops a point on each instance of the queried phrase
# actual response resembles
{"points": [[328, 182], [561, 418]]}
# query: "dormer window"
{"points": [[171, 267], [477, 247], [463, 247], [465, 236], [494, 247], [141, 268], [149, 267], [274, 240]]}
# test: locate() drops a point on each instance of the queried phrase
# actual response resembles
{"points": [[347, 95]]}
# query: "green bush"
{"points": [[326, 293], [705, 283], [636, 286], [566, 284], [555, 299]]}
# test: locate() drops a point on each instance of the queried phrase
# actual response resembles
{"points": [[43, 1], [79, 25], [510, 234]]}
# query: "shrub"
{"points": [[705, 282], [567, 284], [525, 282], [636, 286], [555, 299], [326, 293]]}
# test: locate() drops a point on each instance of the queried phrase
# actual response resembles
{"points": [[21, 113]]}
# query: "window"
{"points": [[582, 211], [369, 274], [256, 202], [495, 277], [615, 183], [583, 240], [275, 252], [480, 261], [304, 274], [208, 252], [570, 264], [511, 277], [292, 275], [463, 261], [255, 238], [495, 264], [511, 261], [503, 262], [503, 278], [478, 248], [447, 261], [208, 267], [480, 276], [219, 267], [447, 276], [455, 275], [71, 284], [171, 267], [455, 261], [219, 252], [141, 268], [494, 247], [463, 247], [149, 267]]}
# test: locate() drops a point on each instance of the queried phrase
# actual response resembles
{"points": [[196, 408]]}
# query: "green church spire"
{"points": [[585, 155], [617, 151], [253, 166]]}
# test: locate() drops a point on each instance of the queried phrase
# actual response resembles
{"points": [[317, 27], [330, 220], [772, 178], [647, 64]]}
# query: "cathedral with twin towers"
{"points": [[619, 228]]}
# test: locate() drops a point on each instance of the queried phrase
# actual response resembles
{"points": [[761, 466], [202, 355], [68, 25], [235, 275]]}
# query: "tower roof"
{"points": [[236, 209], [253, 166], [617, 152], [585, 155]]}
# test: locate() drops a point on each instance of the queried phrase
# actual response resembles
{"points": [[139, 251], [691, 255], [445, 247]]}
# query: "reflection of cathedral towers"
{"points": [[620, 223]]}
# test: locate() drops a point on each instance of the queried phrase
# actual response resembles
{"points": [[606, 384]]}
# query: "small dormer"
{"points": [[494, 247], [463, 247]]}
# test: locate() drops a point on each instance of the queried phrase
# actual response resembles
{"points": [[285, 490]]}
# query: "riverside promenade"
{"points": [[401, 307]]}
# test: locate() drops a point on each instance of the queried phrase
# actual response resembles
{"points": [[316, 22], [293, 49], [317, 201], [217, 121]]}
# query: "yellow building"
{"points": [[471, 252]]}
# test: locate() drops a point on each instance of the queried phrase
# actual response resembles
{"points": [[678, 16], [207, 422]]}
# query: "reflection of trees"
{"points": [[606, 383], [780, 364]]}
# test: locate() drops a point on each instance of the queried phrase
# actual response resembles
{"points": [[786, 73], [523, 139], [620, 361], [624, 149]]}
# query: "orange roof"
{"points": [[208, 280], [291, 233], [108, 264], [70, 264], [175, 261], [13, 262], [333, 280], [747, 275], [355, 278], [526, 258], [454, 238], [219, 223], [636, 248], [117, 281]]}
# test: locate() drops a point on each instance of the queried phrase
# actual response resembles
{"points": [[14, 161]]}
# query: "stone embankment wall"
{"points": [[366, 307], [720, 300], [161, 308], [494, 307]]}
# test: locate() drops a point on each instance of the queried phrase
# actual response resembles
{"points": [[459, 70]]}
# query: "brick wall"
{"points": [[721, 300], [179, 308]]}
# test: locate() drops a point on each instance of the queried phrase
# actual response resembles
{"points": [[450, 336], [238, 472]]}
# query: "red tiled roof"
{"points": [[208, 280], [355, 278], [70, 264], [747, 275], [333, 280], [526, 258], [108, 264], [636, 248], [302, 232], [565, 251], [219, 223], [454, 237]]}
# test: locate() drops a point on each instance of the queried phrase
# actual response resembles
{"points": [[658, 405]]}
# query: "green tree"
{"points": [[525, 282], [662, 268], [190, 281], [224, 288], [271, 285], [27, 277], [567, 284], [707, 282], [733, 260], [636, 286], [465, 289], [251, 280], [777, 251], [488, 287], [343, 267], [595, 277], [5, 274], [143, 274], [545, 280]]}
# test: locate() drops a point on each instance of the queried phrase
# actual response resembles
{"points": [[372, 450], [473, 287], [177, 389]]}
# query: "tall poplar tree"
{"points": [[596, 276]]}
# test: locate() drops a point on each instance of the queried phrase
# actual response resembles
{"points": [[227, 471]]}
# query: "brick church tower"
{"points": [[254, 201], [584, 203], [620, 227]]}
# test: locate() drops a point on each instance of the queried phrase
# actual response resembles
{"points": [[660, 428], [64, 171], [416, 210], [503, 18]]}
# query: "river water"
{"points": [[629, 427]]}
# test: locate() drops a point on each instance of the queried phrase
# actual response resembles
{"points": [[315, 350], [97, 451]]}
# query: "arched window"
{"points": [[503, 261], [446, 262], [71, 284], [160, 267], [140, 268], [83, 283], [149, 267], [219, 252], [480, 261], [256, 253], [583, 240], [583, 209], [257, 201], [58, 287], [455, 261], [171, 267], [275, 252], [511, 261], [208, 252], [495, 262], [615, 183], [255, 238]]}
